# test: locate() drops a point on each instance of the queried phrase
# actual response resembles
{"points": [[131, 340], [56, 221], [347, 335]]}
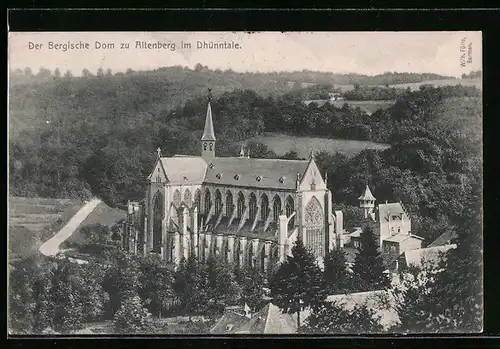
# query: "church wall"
{"points": [[322, 197], [312, 177], [246, 191]]}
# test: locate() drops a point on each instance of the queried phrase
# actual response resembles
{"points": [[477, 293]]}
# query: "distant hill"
{"points": [[441, 82]]}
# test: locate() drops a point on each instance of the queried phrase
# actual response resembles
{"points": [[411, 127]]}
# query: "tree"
{"points": [[368, 266], [190, 286], [298, 284], [96, 233], [86, 73], [222, 288], [57, 73], [65, 307], [291, 155], [28, 72], [335, 272], [252, 283], [92, 296], [121, 279], [334, 318], [109, 72], [156, 281], [416, 302], [132, 318], [22, 295], [68, 74], [100, 72]]}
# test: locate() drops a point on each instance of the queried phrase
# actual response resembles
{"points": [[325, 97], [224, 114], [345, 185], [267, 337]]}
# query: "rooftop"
{"points": [[430, 254], [256, 173], [268, 320], [184, 169], [444, 239], [367, 195], [398, 238], [384, 210]]}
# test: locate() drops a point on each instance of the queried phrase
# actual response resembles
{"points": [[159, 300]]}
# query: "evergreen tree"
{"points": [[368, 266], [298, 284], [335, 272], [334, 318]]}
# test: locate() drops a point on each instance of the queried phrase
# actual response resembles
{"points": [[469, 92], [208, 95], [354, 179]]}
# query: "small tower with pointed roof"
{"points": [[367, 202], [208, 138]]}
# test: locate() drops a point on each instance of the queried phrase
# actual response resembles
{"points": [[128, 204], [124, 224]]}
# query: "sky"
{"points": [[367, 53]]}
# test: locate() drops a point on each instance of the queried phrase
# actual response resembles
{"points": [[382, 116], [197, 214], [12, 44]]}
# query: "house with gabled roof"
{"points": [[269, 320]]}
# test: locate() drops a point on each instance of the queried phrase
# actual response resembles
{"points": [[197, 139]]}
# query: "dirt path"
{"points": [[51, 246]]}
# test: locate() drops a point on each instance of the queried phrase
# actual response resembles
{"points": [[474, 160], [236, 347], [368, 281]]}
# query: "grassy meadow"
{"points": [[444, 82], [281, 144], [32, 221], [102, 214]]}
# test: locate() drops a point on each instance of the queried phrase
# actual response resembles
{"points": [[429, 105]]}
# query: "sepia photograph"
{"points": [[237, 183]]}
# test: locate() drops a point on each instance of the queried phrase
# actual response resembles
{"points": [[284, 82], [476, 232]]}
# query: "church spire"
{"points": [[208, 133], [208, 138]]}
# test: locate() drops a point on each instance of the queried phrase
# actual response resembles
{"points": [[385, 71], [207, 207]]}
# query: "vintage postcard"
{"points": [[227, 183]]}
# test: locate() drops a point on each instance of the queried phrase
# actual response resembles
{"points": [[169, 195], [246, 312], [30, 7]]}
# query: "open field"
{"points": [[446, 82], [416, 85], [102, 214], [281, 144], [368, 107], [33, 221]]}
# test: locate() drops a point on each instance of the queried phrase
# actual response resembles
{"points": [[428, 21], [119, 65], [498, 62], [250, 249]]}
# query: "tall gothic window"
{"points": [[218, 203], [177, 198], [197, 199], [158, 215], [315, 227], [187, 197], [241, 204], [289, 209], [252, 203], [264, 207], [276, 208], [229, 204], [208, 201]]}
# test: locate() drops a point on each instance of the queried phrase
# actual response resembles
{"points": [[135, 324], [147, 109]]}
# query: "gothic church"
{"points": [[248, 211]]}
